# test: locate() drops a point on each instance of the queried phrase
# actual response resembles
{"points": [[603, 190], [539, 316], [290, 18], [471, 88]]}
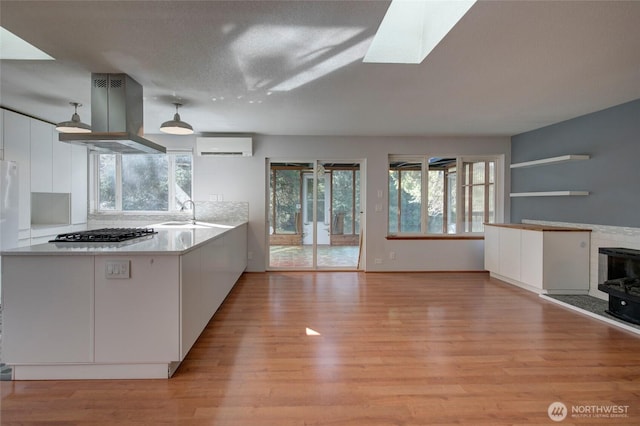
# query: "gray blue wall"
{"points": [[612, 176]]}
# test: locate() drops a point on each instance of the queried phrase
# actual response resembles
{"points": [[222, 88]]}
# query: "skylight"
{"points": [[411, 29], [13, 47]]}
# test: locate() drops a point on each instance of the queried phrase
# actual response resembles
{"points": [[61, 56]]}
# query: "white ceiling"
{"points": [[295, 67]]}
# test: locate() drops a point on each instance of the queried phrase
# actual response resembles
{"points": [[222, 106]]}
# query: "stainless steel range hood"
{"points": [[116, 118]]}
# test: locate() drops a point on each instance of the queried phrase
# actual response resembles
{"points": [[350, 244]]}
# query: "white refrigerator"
{"points": [[8, 208]]}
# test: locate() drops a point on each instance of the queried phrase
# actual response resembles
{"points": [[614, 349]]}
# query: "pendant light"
{"points": [[74, 125], [176, 126]]}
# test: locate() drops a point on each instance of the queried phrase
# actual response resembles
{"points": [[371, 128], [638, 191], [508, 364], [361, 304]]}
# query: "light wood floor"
{"points": [[391, 349]]}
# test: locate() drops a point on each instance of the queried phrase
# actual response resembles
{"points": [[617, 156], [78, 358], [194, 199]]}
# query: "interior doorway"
{"points": [[314, 215]]}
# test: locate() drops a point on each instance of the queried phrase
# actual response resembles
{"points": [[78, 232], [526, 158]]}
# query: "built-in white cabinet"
{"points": [[41, 147], [46, 166], [51, 163], [62, 167], [207, 276], [17, 147], [1, 134], [48, 314], [542, 259], [190, 299], [137, 319], [79, 184], [509, 259]]}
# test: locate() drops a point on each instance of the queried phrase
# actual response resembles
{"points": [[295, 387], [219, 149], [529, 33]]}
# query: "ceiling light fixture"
{"points": [[74, 125], [176, 126]]}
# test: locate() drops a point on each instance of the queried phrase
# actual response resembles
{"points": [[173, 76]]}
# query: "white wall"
{"points": [[244, 179]]}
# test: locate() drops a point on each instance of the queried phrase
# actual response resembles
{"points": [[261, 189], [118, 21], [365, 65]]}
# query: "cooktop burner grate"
{"points": [[109, 235]]}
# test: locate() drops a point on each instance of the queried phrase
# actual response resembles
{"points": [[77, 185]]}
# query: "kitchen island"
{"points": [[115, 310]]}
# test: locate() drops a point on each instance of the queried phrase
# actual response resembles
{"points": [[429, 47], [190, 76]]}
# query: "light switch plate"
{"points": [[117, 269]]}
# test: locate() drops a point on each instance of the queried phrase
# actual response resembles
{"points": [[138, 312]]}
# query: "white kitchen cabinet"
{"points": [[79, 173], [532, 250], [41, 153], [208, 275], [543, 259], [46, 165], [61, 167], [17, 131], [48, 317], [215, 277], [190, 300], [1, 134], [51, 162], [509, 253], [50, 159], [137, 319], [491, 248]]}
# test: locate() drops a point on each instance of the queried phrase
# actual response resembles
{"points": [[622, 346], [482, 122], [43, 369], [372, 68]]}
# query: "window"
{"points": [[285, 190], [427, 195], [291, 197], [142, 182], [405, 197]]}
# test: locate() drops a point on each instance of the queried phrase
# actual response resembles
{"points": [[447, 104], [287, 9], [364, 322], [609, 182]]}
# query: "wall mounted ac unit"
{"points": [[224, 146]]}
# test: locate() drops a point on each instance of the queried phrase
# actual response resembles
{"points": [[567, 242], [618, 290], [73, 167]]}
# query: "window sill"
{"points": [[436, 237]]}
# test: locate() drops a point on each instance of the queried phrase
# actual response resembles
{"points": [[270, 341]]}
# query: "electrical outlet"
{"points": [[392, 255], [377, 261], [249, 255], [117, 269]]}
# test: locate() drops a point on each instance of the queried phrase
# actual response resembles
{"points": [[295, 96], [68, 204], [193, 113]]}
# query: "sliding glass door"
{"points": [[314, 215]]}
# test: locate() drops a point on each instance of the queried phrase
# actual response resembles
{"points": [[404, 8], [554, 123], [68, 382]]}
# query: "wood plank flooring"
{"points": [[366, 349]]}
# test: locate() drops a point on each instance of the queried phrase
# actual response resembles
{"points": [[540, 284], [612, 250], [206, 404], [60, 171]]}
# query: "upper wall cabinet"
{"points": [[45, 165], [1, 134], [50, 160], [41, 154], [79, 196], [61, 170]]}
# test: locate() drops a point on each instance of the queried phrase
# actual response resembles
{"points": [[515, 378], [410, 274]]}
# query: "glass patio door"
{"points": [[314, 215]]}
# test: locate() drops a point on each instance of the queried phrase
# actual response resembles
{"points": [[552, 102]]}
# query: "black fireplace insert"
{"points": [[619, 276]]}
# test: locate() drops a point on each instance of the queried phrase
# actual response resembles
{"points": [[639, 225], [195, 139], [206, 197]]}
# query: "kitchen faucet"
{"points": [[193, 209]]}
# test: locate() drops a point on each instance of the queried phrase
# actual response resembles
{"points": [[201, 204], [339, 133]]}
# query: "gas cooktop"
{"points": [[104, 235]]}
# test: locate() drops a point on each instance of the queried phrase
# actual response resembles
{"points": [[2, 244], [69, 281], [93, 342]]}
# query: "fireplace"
{"points": [[619, 276]]}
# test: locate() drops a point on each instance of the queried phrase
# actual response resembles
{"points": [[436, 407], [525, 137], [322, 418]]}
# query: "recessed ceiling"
{"points": [[296, 67]]}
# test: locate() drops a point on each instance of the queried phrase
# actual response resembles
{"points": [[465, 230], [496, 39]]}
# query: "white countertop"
{"points": [[168, 241]]}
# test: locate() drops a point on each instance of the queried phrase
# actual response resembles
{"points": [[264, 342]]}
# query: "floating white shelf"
{"points": [[549, 194], [551, 160]]}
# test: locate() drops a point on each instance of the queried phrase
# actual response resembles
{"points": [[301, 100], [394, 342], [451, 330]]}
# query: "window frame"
{"points": [[94, 182], [423, 160]]}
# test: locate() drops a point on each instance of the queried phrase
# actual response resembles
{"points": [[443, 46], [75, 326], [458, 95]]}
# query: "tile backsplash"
{"points": [[601, 236], [206, 211]]}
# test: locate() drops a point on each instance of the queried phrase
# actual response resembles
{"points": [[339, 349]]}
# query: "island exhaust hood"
{"points": [[116, 118]]}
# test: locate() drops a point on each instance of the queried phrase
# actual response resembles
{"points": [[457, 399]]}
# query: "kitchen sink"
{"points": [[187, 224]]}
